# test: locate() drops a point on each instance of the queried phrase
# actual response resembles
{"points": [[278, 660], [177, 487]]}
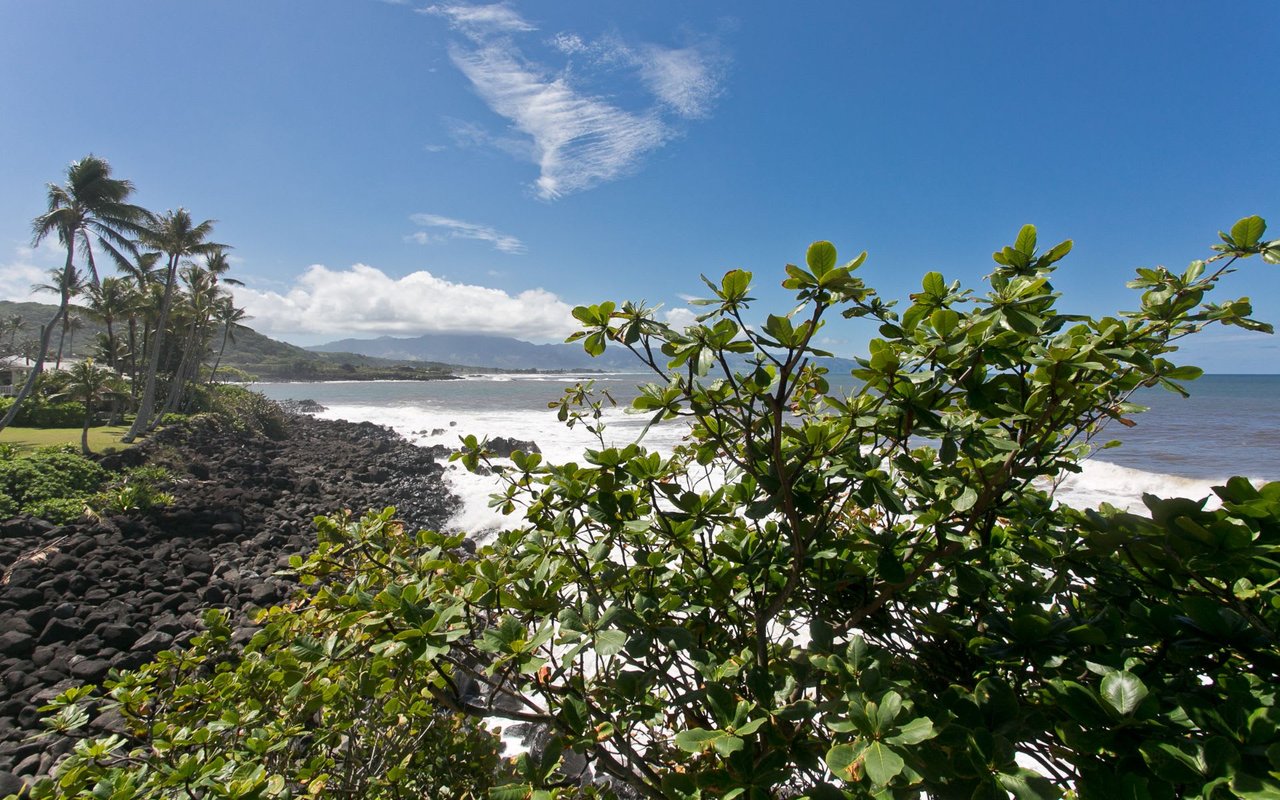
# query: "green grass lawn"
{"points": [[100, 438]]}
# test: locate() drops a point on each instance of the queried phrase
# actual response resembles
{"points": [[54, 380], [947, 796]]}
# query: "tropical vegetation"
{"points": [[818, 593], [163, 311]]}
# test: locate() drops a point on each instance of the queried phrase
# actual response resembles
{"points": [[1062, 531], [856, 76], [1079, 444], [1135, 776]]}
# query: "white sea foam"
{"points": [[1123, 487], [1099, 482]]}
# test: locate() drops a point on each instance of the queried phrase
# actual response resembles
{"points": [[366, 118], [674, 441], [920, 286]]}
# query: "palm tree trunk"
{"points": [[133, 357], [45, 335], [62, 338], [188, 368], [84, 432], [111, 347], [147, 406], [226, 330]]}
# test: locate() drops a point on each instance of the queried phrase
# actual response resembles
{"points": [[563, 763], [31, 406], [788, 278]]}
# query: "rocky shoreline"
{"points": [[81, 599]]}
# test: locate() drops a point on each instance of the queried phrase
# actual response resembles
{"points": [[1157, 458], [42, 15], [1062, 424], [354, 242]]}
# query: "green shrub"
{"points": [[245, 409], [60, 509], [319, 704], [139, 490], [43, 414], [37, 412], [8, 506], [50, 481], [877, 597]]}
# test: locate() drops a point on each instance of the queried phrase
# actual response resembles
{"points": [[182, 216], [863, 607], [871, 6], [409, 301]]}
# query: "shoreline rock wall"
{"points": [[78, 600]]}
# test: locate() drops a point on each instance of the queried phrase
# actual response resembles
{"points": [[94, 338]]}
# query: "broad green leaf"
{"points": [[1028, 785], [695, 740], [1057, 253], [934, 284], [944, 321], [1026, 242], [1248, 231], [844, 761], [735, 283], [821, 257], [610, 642], [1123, 691], [916, 731], [882, 763]]}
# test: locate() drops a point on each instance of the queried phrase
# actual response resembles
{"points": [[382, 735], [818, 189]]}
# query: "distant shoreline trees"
{"points": [[171, 310]]}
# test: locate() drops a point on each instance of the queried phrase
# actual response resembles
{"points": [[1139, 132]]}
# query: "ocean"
{"points": [[1179, 447]]}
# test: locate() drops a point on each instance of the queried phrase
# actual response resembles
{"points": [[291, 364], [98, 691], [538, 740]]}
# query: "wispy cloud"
{"points": [[364, 300], [687, 79], [578, 138], [27, 267], [579, 141], [447, 228], [481, 21]]}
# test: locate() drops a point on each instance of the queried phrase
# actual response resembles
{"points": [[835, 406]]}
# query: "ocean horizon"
{"points": [[1230, 425]]}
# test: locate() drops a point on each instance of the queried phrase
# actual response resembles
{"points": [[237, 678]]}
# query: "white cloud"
{"points": [[686, 79], [29, 266], [578, 138], [457, 229], [579, 141], [479, 21], [680, 318], [365, 301]]}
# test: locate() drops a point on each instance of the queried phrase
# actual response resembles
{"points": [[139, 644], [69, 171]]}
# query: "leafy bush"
{"points": [[51, 482], [248, 410], [139, 490], [38, 412], [815, 595], [59, 509], [320, 703]]}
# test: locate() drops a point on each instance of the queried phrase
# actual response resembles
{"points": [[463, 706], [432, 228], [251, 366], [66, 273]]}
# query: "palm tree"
{"points": [[226, 313], [70, 284], [217, 265], [88, 384], [14, 324], [89, 207], [177, 236], [75, 322], [200, 297], [107, 302]]}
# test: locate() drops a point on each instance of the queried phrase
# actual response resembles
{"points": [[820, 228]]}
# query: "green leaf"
{"points": [[1251, 787], [1026, 242], [700, 740], [696, 740], [735, 283], [1123, 691], [821, 257], [844, 761], [610, 643], [1028, 785], [1057, 253], [882, 763], [966, 500], [916, 731], [1248, 232], [944, 321], [934, 284]]}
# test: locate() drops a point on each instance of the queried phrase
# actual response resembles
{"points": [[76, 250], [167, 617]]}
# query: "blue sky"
{"points": [[398, 167]]}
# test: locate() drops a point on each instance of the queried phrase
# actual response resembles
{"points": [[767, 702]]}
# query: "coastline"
{"points": [[96, 595]]}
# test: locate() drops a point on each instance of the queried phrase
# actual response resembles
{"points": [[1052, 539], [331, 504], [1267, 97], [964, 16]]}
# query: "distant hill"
{"points": [[255, 354], [482, 350], [502, 352]]}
